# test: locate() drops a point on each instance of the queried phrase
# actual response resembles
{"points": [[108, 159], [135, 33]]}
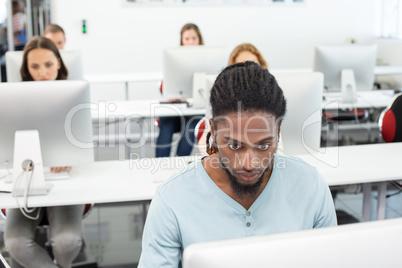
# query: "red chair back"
{"points": [[201, 130], [391, 121]]}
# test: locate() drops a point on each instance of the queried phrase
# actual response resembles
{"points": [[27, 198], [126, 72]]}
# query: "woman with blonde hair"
{"points": [[247, 52]]}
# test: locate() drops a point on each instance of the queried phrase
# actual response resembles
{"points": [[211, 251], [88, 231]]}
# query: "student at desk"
{"points": [[243, 188], [42, 62], [190, 35]]}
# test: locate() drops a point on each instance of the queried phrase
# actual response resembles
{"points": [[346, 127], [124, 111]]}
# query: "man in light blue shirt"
{"points": [[243, 188]]}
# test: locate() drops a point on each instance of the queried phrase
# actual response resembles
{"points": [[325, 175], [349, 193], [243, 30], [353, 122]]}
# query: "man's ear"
{"points": [[211, 124], [279, 131]]}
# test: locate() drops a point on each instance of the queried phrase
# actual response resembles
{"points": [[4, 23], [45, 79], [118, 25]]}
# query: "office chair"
{"points": [[43, 226], [200, 128], [390, 121]]}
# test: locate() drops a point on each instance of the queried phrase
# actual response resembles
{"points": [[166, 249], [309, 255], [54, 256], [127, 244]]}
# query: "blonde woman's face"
{"points": [[190, 38], [43, 65], [246, 56]]}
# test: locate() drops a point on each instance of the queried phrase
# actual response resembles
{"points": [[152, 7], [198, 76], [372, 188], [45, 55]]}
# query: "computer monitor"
{"points": [[301, 127], [371, 244], [59, 112], [331, 60], [181, 63], [72, 60]]}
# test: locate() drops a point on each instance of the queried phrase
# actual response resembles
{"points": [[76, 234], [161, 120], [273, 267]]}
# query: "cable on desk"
{"points": [[28, 172]]}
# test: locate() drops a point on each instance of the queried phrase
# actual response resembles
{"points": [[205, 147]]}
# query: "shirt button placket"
{"points": [[249, 231]]}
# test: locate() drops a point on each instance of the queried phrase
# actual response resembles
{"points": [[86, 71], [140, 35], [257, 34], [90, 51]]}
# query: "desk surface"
{"points": [[365, 99], [388, 70], [137, 180], [153, 109], [141, 109]]}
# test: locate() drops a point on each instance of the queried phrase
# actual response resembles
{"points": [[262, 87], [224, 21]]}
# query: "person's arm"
{"points": [[19, 25], [161, 240], [60, 169], [326, 215]]}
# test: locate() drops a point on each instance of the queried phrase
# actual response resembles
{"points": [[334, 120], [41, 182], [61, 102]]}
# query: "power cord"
{"points": [[389, 195], [398, 186], [29, 169]]}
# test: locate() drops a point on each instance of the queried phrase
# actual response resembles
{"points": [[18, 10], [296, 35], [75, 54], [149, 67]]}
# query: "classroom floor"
{"points": [[112, 232]]}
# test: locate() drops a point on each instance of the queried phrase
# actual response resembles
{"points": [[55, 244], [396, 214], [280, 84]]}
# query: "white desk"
{"points": [[388, 70], [365, 164], [124, 114], [153, 108], [137, 180], [365, 99], [110, 111]]}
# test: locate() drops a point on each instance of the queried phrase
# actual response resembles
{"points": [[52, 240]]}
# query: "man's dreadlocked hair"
{"points": [[247, 84]]}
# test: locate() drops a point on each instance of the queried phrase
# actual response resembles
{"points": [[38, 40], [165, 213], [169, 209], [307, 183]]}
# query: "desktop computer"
{"points": [[346, 68], [44, 124], [371, 244], [185, 67]]}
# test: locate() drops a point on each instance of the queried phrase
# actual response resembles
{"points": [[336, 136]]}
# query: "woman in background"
{"points": [[247, 52], [190, 35], [42, 62]]}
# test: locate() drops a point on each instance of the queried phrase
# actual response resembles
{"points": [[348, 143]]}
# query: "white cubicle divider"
{"points": [[373, 244], [209, 84], [200, 90], [301, 127]]}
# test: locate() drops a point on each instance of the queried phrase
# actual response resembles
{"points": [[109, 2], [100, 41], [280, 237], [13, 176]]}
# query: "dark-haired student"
{"points": [[190, 35], [42, 62], [243, 188]]}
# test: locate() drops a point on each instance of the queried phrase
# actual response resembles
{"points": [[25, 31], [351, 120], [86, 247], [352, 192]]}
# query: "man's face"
{"points": [[246, 144], [58, 38]]}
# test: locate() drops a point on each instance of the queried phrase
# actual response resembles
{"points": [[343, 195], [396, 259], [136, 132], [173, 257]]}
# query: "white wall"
{"points": [[390, 53], [123, 38]]}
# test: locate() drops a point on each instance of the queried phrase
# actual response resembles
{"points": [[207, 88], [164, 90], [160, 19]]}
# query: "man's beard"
{"points": [[241, 190]]}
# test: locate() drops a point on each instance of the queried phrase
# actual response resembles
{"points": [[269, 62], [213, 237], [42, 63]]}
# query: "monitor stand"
{"points": [[28, 158], [199, 90], [348, 86]]}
